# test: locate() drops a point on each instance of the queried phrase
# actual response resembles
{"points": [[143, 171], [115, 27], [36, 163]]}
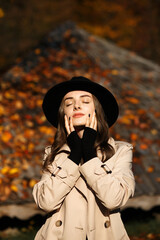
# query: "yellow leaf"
{"points": [[13, 171], [32, 183], [18, 104], [154, 131], [5, 170], [114, 72], [14, 188], [9, 95], [39, 102], [30, 147]]}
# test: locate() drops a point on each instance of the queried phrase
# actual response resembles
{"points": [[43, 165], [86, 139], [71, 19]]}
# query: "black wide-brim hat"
{"points": [[54, 96]]}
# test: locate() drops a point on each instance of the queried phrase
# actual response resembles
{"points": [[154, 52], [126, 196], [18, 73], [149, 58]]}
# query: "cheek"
{"points": [[67, 112], [90, 109]]}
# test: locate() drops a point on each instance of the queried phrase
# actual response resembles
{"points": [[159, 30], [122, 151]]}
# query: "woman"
{"points": [[87, 175]]}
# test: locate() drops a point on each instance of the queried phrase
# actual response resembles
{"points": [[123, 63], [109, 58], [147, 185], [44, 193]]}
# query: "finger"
{"points": [[92, 121], [67, 125], [88, 121], [71, 124], [95, 124]]}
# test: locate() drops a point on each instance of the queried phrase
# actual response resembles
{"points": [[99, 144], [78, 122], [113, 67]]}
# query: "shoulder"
{"points": [[47, 151], [119, 144], [123, 144]]}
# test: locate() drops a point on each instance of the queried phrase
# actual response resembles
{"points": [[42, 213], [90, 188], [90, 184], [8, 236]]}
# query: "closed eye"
{"points": [[69, 104]]}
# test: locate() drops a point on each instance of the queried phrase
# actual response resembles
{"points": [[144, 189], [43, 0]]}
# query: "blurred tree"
{"points": [[130, 24]]}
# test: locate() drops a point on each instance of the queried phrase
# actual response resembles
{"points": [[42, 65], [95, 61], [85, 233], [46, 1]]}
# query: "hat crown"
{"points": [[80, 78]]}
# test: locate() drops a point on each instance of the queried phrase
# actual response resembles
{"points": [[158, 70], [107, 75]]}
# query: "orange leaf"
{"points": [[132, 100], [125, 120], [25, 184], [46, 130], [37, 51], [150, 169], [6, 136], [1, 13], [15, 117], [29, 133], [134, 136], [143, 146], [158, 179], [2, 110]]}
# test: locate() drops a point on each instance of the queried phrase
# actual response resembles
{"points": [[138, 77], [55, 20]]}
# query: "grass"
{"points": [[134, 229]]}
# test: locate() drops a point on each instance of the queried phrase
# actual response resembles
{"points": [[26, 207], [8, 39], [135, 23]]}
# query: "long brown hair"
{"points": [[101, 140]]}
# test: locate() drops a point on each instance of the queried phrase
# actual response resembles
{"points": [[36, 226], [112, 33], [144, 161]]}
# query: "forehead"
{"points": [[76, 94]]}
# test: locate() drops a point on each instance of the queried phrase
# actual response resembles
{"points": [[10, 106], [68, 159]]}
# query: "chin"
{"points": [[79, 123]]}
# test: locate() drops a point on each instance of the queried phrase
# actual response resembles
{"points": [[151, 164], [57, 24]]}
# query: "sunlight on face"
{"points": [[78, 105]]}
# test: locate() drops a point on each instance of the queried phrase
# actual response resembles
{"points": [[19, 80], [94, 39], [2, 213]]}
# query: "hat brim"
{"points": [[54, 96]]}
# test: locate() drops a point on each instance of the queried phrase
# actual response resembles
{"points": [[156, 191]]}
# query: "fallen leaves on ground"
{"points": [[25, 132]]}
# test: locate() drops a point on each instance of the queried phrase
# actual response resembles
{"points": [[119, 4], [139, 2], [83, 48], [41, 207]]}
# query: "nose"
{"points": [[77, 105]]}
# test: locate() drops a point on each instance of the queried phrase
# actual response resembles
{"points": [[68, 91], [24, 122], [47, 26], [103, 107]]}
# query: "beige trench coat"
{"points": [[84, 200]]}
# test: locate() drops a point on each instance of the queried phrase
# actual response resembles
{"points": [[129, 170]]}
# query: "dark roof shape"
{"points": [[68, 51]]}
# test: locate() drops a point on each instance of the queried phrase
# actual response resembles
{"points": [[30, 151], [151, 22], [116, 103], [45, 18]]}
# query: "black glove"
{"points": [[88, 140], [75, 144]]}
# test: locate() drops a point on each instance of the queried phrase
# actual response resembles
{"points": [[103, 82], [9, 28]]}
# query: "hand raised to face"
{"points": [[82, 147], [91, 122], [69, 125]]}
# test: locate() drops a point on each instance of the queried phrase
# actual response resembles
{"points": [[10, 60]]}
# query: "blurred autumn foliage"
{"points": [[134, 25], [65, 52]]}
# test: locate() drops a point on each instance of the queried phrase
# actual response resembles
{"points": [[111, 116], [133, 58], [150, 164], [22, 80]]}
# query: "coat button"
{"points": [[58, 223], [107, 224]]}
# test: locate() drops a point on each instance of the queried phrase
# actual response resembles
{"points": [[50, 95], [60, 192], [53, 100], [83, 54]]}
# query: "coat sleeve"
{"points": [[113, 181], [55, 183]]}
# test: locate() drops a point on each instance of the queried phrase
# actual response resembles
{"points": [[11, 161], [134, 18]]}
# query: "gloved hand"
{"points": [[75, 144], [88, 140]]}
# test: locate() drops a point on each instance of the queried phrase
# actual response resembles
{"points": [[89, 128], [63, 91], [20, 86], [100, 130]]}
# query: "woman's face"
{"points": [[78, 105]]}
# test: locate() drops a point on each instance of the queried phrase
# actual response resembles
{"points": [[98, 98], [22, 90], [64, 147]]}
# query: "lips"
{"points": [[78, 115]]}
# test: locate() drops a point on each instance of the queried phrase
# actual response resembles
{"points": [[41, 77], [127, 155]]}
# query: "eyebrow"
{"points": [[80, 97]]}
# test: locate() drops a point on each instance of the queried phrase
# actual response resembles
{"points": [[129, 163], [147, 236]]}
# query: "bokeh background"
{"points": [[134, 25], [46, 42]]}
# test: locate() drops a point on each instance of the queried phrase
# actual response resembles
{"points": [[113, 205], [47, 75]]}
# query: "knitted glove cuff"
{"points": [[74, 142], [88, 141]]}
